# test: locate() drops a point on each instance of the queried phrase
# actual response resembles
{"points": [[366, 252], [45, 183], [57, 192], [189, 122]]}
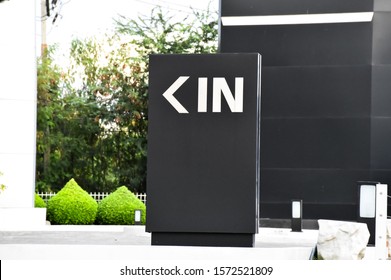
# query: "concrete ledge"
{"points": [[77, 228], [104, 252], [286, 223], [22, 218]]}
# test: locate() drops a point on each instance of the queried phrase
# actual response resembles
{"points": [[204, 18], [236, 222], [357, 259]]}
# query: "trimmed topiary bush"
{"points": [[118, 208], [39, 202], [72, 206]]}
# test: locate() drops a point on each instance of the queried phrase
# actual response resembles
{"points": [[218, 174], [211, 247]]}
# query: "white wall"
{"points": [[17, 102]]}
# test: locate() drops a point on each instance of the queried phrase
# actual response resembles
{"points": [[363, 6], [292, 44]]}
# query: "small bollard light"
{"points": [[137, 217], [367, 202], [297, 215]]}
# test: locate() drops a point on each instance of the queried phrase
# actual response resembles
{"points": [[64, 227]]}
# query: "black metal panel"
{"points": [[203, 239], [383, 176], [203, 167], [315, 143], [329, 91], [326, 193], [381, 143], [333, 186], [308, 44], [282, 7], [326, 117], [381, 88], [382, 38], [382, 5]]}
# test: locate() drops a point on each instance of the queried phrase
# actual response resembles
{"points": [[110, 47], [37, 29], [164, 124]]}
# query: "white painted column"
{"points": [[381, 252], [18, 106]]}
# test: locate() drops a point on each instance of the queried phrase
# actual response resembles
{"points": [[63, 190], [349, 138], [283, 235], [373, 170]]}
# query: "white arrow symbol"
{"points": [[169, 94]]}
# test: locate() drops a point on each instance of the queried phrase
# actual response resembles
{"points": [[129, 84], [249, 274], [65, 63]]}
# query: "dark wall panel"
{"points": [[325, 106], [311, 185], [381, 143], [383, 5], [382, 175], [330, 91], [282, 7], [381, 97], [312, 44], [315, 143], [382, 38], [381, 91], [326, 193]]}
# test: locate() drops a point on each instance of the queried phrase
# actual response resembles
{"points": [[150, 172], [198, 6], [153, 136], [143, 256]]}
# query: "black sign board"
{"points": [[203, 149]]}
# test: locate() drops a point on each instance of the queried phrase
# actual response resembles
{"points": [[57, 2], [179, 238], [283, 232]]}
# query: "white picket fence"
{"points": [[98, 196]]}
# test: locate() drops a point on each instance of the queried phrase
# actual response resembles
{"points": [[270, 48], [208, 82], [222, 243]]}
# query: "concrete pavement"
{"points": [[123, 242]]}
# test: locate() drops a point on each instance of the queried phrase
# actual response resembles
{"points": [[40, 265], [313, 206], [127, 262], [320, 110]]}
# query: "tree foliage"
{"points": [[93, 116], [49, 119], [158, 33]]}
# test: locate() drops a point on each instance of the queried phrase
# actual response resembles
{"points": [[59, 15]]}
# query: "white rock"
{"points": [[340, 240], [389, 238]]}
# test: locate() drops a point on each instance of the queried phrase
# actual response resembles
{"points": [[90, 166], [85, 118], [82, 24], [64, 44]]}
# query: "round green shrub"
{"points": [[39, 202], [72, 206], [118, 208]]}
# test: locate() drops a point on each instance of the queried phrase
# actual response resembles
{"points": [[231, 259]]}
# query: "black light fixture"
{"points": [[297, 215]]}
